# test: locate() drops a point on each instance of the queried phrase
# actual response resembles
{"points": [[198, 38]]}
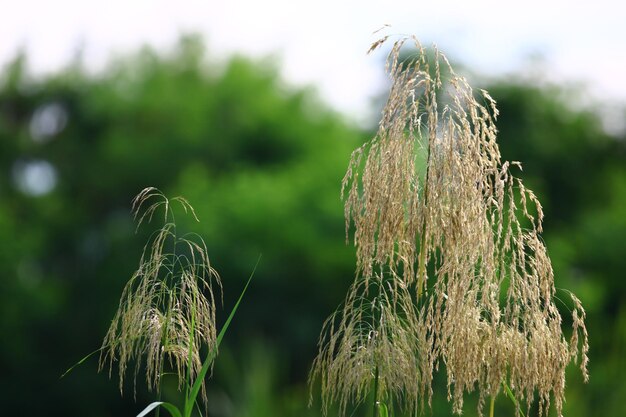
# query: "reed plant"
{"points": [[166, 314], [451, 270]]}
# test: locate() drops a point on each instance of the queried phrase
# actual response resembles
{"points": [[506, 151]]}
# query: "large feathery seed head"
{"points": [[450, 235]]}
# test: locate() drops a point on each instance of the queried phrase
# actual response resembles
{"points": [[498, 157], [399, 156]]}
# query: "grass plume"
{"points": [[449, 257], [166, 314]]}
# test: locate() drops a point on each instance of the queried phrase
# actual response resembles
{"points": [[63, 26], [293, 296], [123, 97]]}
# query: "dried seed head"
{"points": [[370, 338], [167, 309], [434, 206]]}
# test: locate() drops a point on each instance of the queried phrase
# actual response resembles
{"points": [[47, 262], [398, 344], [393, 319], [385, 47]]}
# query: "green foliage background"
{"points": [[262, 164]]}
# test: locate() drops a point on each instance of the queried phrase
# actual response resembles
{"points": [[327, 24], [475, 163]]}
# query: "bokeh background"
{"points": [[251, 115]]}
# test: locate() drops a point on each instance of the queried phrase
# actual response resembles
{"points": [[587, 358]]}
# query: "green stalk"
{"points": [[491, 405], [422, 260], [167, 318], [191, 347], [421, 272], [159, 392], [377, 318], [375, 414]]}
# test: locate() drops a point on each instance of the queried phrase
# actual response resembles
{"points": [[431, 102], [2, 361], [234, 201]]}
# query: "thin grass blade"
{"points": [[171, 408], [195, 389], [509, 394], [81, 361]]}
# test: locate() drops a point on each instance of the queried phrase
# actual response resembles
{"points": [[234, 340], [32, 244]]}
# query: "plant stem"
{"points": [[421, 272], [164, 344], [376, 325], [491, 405], [191, 347], [375, 413], [422, 268], [158, 410]]}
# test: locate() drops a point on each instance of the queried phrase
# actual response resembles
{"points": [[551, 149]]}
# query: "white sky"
{"points": [[323, 42]]}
